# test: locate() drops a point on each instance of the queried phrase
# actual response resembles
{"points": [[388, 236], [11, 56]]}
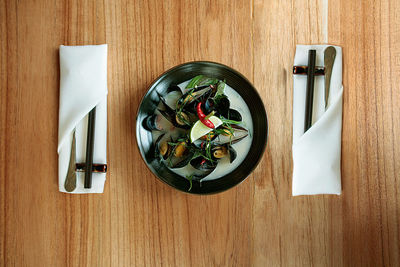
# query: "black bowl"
{"points": [[246, 90]]}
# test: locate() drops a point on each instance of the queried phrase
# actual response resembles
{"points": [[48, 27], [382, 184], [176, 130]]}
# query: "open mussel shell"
{"points": [[223, 104], [174, 88], [151, 123], [162, 148], [203, 164], [172, 116], [176, 119], [180, 162], [232, 154], [209, 106], [219, 152], [164, 103], [177, 156], [192, 95], [234, 115], [206, 95], [239, 133]]}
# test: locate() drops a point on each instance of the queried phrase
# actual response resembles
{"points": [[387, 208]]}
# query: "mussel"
{"points": [[233, 114], [173, 88], [162, 148], [202, 164], [176, 155], [221, 151], [178, 118], [180, 155], [151, 123], [222, 106], [195, 94], [231, 135]]}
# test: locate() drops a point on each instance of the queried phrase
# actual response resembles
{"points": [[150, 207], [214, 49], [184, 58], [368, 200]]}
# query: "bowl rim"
{"points": [[155, 81]]}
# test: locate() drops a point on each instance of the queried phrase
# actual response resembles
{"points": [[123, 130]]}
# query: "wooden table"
{"points": [[139, 221]]}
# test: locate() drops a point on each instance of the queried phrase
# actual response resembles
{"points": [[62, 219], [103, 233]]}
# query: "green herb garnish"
{"points": [[182, 118], [226, 121], [220, 89], [194, 81], [190, 178]]}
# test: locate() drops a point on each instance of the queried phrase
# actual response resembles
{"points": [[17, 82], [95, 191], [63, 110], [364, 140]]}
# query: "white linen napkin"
{"points": [[83, 85], [316, 153]]}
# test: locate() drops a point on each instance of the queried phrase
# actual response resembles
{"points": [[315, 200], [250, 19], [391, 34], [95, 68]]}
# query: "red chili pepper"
{"points": [[200, 113], [203, 116], [203, 161], [208, 123]]}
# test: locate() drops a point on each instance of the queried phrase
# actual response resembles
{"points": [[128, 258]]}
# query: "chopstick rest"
{"points": [[302, 70], [81, 167], [316, 152], [83, 87]]}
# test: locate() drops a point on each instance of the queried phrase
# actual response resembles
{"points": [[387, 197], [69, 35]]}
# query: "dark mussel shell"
{"points": [[164, 103], [197, 93], [190, 108], [224, 150], [171, 117], [219, 152], [234, 115], [202, 164], [239, 133], [209, 106], [223, 104], [150, 123], [232, 154], [173, 88], [170, 114], [208, 94], [203, 97], [158, 151], [181, 161]]}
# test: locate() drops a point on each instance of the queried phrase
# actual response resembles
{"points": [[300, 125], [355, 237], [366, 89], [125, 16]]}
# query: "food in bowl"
{"points": [[202, 129]]}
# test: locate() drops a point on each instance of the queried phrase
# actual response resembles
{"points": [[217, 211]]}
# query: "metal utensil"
{"points": [[70, 181], [329, 59]]}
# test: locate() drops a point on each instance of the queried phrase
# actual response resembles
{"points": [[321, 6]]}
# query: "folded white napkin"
{"points": [[83, 85], [316, 153]]}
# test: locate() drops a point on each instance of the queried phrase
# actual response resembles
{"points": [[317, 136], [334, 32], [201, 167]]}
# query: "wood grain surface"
{"points": [[138, 220]]}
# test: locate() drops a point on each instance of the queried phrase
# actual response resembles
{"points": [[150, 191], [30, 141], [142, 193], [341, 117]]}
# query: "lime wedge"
{"points": [[199, 129]]}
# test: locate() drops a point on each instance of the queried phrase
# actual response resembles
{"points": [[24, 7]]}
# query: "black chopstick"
{"points": [[310, 90], [89, 148]]}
